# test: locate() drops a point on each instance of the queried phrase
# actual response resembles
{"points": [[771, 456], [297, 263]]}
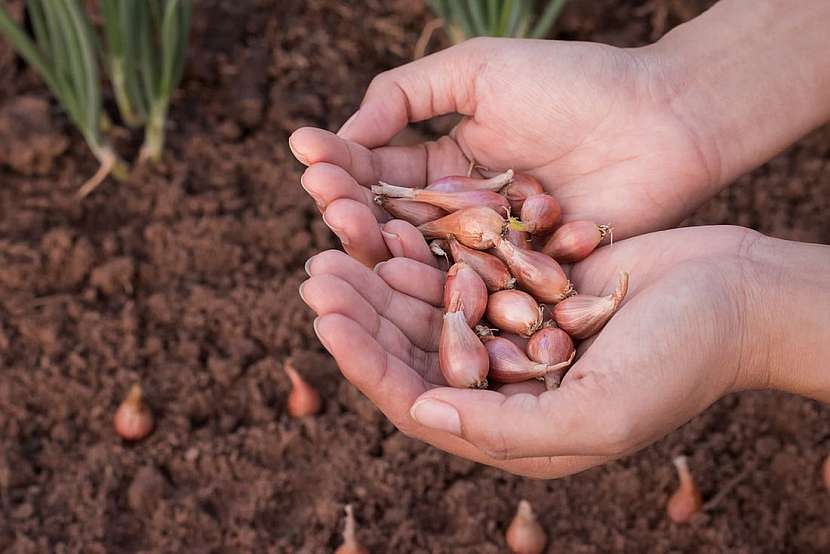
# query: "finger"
{"points": [[438, 84], [326, 182], [358, 231], [414, 279], [419, 321], [326, 294], [409, 166], [405, 241], [533, 386], [393, 387]]}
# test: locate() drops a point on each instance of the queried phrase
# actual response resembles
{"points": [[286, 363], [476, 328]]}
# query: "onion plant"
{"points": [[143, 50], [496, 18], [146, 44], [63, 51]]}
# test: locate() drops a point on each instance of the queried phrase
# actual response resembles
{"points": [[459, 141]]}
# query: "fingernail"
{"points": [[307, 266], [317, 200], [347, 124], [377, 266], [300, 290], [316, 324], [437, 415], [297, 153], [343, 239], [393, 242]]}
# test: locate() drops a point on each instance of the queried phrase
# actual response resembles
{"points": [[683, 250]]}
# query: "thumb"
{"points": [[438, 84], [584, 417]]}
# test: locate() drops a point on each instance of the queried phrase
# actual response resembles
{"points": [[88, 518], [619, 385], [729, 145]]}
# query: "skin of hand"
{"points": [[702, 319], [633, 137]]}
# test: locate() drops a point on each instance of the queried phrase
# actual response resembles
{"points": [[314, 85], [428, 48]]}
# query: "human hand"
{"points": [[702, 319], [590, 121]]}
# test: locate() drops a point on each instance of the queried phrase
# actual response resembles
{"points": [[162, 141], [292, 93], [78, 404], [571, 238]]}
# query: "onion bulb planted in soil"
{"points": [[525, 535], [686, 500], [303, 400], [350, 543], [133, 419]]}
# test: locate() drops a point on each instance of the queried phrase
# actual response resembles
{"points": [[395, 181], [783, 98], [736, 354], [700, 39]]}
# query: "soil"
{"points": [[185, 279]]}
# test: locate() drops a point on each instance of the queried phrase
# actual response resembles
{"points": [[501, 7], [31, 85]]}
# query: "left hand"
{"points": [[687, 334]]}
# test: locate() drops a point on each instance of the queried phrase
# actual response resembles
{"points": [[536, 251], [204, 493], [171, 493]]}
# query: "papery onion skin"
{"points": [[461, 355], [540, 213], [478, 228], [575, 240], [523, 185], [492, 270], [536, 273], [514, 311], [460, 183], [412, 211], [463, 280], [583, 316]]}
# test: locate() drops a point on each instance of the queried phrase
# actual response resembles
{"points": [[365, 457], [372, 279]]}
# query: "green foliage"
{"points": [[496, 18], [143, 50]]}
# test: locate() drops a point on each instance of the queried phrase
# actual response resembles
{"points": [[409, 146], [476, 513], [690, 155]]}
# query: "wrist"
{"points": [[785, 344], [745, 79]]}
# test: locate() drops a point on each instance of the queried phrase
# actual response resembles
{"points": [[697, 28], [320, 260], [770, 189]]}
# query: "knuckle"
{"points": [[494, 443]]}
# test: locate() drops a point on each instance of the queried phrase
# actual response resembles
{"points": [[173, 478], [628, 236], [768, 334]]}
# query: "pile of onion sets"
{"points": [[511, 312]]}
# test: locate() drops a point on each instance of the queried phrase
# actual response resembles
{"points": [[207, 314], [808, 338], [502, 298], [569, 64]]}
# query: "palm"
{"points": [[382, 328], [583, 118]]}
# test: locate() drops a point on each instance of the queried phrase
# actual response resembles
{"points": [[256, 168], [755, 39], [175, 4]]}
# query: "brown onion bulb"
{"points": [[350, 544], [492, 270], [582, 316], [460, 183], [540, 213], [686, 500], [535, 272], [412, 211], [463, 280], [520, 239], [574, 240], [551, 345], [133, 419], [478, 228], [304, 400], [508, 364], [514, 311], [450, 201], [461, 355], [522, 186], [525, 535]]}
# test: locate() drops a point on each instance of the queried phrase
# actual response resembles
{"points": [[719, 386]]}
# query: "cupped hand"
{"points": [[676, 345], [599, 126]]}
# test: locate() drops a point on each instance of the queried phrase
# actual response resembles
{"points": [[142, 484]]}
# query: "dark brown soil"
{"points": [[185, 279]]}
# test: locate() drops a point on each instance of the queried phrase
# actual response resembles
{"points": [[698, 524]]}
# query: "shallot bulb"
{"points": [[522, 186], [350, 544], [517, 238], [460, 183], [551, 345], [478, 228], [540, 213], [574, 240], [582, 316], [450, 201], [133, 419], [304, 400], [514, 311], [461, 355], [492, 270], [412, 211], [535, 272], [525, 535], [686, 500], [508, 364], [463, 280]]}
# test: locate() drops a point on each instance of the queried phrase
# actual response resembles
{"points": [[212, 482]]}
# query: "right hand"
{"points": [[597, 125]]}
